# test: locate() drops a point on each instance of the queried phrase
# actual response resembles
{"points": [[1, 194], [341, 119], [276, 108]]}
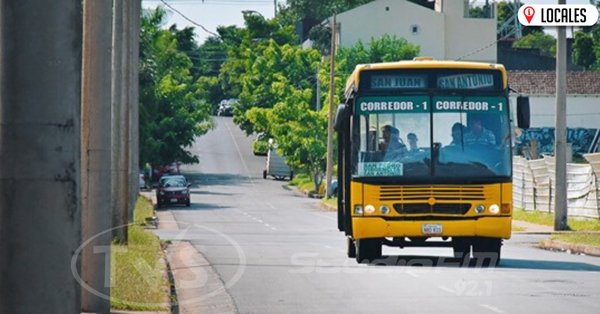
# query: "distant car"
{"points": [[173, 189], [225, 110], [159, 171]]}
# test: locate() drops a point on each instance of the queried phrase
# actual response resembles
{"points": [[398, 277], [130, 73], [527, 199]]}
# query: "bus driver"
{"points": [[394, 148]]}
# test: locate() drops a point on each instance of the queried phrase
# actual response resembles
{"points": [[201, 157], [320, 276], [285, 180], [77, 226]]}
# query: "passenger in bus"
{"points": [[458, 130], [395, 148], [477, 134], [412, 141]]}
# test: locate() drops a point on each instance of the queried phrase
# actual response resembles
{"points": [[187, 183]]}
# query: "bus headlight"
{"points": [[369, 209], [494, 209], [384, 209], [479, 209], [358, 209]]}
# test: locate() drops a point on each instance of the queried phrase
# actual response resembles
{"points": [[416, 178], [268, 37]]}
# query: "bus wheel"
{"points": [[487, 251], [368, 250], [350, 247], [264, 174], [462, 249]]}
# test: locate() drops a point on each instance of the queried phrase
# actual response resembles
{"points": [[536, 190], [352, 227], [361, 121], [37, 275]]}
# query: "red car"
{"points": [[173, 190], [159, 171]]}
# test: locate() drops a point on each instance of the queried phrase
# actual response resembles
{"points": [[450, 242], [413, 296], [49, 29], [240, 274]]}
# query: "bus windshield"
{"points": [[431, 137]]}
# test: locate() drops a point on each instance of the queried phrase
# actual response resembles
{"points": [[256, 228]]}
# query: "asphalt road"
{"points": [[277, 251]]}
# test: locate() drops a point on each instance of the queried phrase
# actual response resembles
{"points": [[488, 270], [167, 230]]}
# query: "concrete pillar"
{"points": [[136, 8], [40, 148], [95, 151], [119, 133]]}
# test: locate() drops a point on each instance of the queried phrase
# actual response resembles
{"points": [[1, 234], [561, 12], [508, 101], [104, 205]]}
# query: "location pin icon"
{"points": [[528, 12]]}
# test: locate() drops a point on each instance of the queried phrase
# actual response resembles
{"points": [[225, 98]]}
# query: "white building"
{"points": [[445, 33]]}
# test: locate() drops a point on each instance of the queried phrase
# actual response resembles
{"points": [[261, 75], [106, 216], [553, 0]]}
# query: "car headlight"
{"points": [[479, 209], [494, 209], [161, 193], [184, 192], [369, 209]]}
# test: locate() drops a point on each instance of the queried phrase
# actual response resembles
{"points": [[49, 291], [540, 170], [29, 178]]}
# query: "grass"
{"points": [[303, 182], [578, 238], [517, 228], [547, 219], [137, 280], [330, 201]]}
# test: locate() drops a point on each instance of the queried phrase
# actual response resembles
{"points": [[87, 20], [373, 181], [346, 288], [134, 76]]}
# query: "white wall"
{"points": [[444, 36], [373, 20], [465, 36], [583, 111]]}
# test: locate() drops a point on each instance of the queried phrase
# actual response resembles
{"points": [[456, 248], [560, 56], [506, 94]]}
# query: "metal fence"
{"points": [[533, 185]]}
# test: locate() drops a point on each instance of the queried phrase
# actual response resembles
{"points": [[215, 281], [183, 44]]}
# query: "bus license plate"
{"points": [[173, 200], [432, 228]]}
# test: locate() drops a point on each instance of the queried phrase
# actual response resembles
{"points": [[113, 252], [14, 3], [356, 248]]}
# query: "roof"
{"points": [[418, 63], [544, 82]]}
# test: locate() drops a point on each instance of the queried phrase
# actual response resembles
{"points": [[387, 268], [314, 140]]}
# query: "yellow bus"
{"points": [[425, 158]]}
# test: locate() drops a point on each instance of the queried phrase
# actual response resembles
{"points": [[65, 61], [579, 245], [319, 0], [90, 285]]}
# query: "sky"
{"points": [[214, 13]]}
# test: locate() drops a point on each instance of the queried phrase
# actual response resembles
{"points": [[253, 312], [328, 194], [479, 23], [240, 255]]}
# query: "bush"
{"points": [[260, 147]]}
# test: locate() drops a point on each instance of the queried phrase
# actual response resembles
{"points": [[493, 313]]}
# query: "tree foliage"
{"points": [[171, 116], [583, 51], [539, 40]]}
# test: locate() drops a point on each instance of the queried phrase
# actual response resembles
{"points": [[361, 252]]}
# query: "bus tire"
{"points": [[462, 249], [350, 247], [264, 174], [368, 250], [487, 251]]}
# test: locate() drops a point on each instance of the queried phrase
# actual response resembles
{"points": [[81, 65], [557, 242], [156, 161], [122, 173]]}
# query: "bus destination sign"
{"points": [[392, 104], [382, 82], [469, 104], [466, 81]]}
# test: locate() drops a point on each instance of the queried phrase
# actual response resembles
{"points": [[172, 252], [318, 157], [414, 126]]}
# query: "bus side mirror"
{"points": [[339, 117], [523, 112]]}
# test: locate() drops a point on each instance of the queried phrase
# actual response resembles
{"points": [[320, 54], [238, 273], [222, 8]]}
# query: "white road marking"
{"points": [[240, 153], [328, 247], [267, 225], [259, 220], [273, 229], [446, 289], [273, 207], [491, 308]]}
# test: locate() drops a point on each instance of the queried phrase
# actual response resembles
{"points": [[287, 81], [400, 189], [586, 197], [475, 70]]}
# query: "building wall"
{"points": [[374, 20], [468, 35], [440, 34], [583, 111]]}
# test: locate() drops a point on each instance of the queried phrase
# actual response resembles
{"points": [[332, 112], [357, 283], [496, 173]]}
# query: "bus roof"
{"points": [[419, 63]]}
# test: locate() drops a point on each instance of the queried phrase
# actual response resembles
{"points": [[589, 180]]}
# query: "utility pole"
{"points": [[95, 152], [275, 6], [330, 120], [119, 131], [136, 11], [560, 141], [40, 150]]}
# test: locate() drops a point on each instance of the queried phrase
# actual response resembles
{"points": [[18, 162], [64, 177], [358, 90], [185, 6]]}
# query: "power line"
{"points": [[190, 20]]}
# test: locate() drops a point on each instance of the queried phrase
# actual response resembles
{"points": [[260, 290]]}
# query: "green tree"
{"points": [[171, 116], [275, 64], [583, 50], [539, 40]]}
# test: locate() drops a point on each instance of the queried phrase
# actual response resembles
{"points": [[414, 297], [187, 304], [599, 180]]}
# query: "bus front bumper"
{"points": [[377, 227]]}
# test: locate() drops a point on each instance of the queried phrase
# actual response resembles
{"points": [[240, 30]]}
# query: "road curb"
{"points": [[570, 247]]}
